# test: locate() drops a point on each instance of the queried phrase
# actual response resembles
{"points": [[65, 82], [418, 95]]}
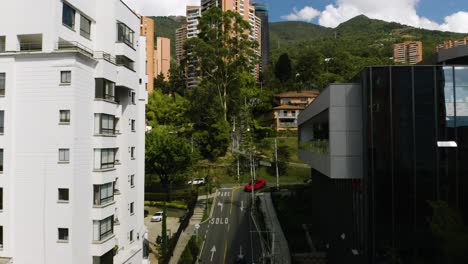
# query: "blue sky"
{"points": [[435, 10], [446, 15]]}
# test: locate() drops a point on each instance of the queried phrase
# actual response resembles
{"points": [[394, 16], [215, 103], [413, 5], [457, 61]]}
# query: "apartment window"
{"points": [[64, 155], [2, 121], [133, 98], [132, 122], [64, 116], [85, 27], [106, 124], [1, 236], [105, 89], [132, 152], [125, 34], [1, 199], [65, 77], [63, 195], [103, 194], [68, 16], [122, 60], [103, 228], [2, 84], [107, 158], [131, 208], [1, 160], [130, 235], [132, 180], [63, 234]]}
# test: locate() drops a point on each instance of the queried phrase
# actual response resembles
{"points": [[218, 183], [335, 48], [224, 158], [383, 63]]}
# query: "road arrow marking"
{"points": [[221, 205], [213, 250], [242, 206]]}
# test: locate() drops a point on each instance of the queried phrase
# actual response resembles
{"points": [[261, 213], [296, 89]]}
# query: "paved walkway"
{"points": [[282, 254], [190, 230]]}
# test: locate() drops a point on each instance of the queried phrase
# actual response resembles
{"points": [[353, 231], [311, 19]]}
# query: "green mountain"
{"points": [[355, 35], [166, 27]]}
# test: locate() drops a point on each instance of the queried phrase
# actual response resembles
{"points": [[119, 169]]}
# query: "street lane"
{"points": [[230, 231]]}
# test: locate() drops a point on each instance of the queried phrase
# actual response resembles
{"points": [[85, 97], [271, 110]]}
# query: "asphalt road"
{"points": [[230, 231]]}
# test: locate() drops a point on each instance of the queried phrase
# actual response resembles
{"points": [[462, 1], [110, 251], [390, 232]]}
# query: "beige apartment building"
{"points": [[448, 44], [180, 38], [147, 30], [162, 58], [408, 52], [284, 116]]}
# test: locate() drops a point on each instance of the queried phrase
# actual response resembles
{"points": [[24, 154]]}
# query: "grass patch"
{"points": [[291, 142], [173, 204], [206, 212]]}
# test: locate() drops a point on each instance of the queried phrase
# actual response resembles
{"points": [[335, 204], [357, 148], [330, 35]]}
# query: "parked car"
{"points": [[258, 184], [157, 217], [197, 181]]}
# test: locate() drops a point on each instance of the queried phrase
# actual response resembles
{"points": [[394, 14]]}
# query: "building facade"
{"points": [[162, 59], [412, 122], [284, 116], [147, 30], [408, 52], [180, 38], [261, 11], [72, 113]]}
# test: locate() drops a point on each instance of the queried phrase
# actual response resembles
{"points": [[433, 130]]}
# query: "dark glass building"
{"points": [[414, 158], [261, 10]]}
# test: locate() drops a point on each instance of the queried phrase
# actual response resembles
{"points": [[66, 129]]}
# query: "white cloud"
{"points": [[401, 11], [161, 7], [305, 14]]}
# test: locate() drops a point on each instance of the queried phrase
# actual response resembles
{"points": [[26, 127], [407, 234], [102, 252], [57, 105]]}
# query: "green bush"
{"points": [[179, 196], [173, 204], [190, 253], [186, 257]]}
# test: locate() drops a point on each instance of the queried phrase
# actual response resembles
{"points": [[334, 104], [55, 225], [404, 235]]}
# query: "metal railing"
{"points": [[101, 55], [74, 46], [288, 124], [319, 146], [32, 46]]}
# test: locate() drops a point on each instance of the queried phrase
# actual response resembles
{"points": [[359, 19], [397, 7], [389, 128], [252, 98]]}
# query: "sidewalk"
{"points": [[282, 254], [190, 230]]}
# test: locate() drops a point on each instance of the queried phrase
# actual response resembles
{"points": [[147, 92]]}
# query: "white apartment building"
{"points": [[72, 124]]}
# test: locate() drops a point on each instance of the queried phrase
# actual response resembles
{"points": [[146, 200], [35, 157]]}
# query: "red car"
{"points": [[258, 184]]}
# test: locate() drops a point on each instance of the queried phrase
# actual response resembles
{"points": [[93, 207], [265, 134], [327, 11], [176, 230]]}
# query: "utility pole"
{"points": [[276, 164], [252, 183]]}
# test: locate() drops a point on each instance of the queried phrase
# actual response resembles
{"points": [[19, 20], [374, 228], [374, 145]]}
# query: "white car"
{"points": [[197, 181], [157, 217]]}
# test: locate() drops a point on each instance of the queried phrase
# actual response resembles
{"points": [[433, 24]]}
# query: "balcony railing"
{"points": [[74, 46], [101, 55], [319, 146], [32, 46], [288, 124]]}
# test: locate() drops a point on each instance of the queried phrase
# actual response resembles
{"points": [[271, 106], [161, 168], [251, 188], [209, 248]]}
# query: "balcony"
{"points": [[74, 46], [126, 77]]}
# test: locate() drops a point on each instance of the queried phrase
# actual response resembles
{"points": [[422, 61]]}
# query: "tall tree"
{"points": [[283, 68], [167, 154], [223, 51]]}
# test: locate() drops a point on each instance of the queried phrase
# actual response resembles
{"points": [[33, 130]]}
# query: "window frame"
{"points": [[99, 189], [66, 194], [84, 33], [66, 237], [132, 180], [133, 98], [106, 119], [125, 34], [2, 84], [130, 236], [65, 77], [66, 153], [132, 152], [133, 125], [2, 156], [107, 164], [104, 225], [132, 208], [2, 122], [73, 22], [64, 116]]}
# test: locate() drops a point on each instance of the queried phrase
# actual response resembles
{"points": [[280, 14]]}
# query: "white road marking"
{"points": [[213, 250]]}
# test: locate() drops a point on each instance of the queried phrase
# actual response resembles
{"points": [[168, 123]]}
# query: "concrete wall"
{"points": [[344, 160]]}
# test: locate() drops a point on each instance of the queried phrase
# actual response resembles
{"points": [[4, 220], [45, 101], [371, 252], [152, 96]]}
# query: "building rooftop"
{"points": [[288, 107], [306, 93]]}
